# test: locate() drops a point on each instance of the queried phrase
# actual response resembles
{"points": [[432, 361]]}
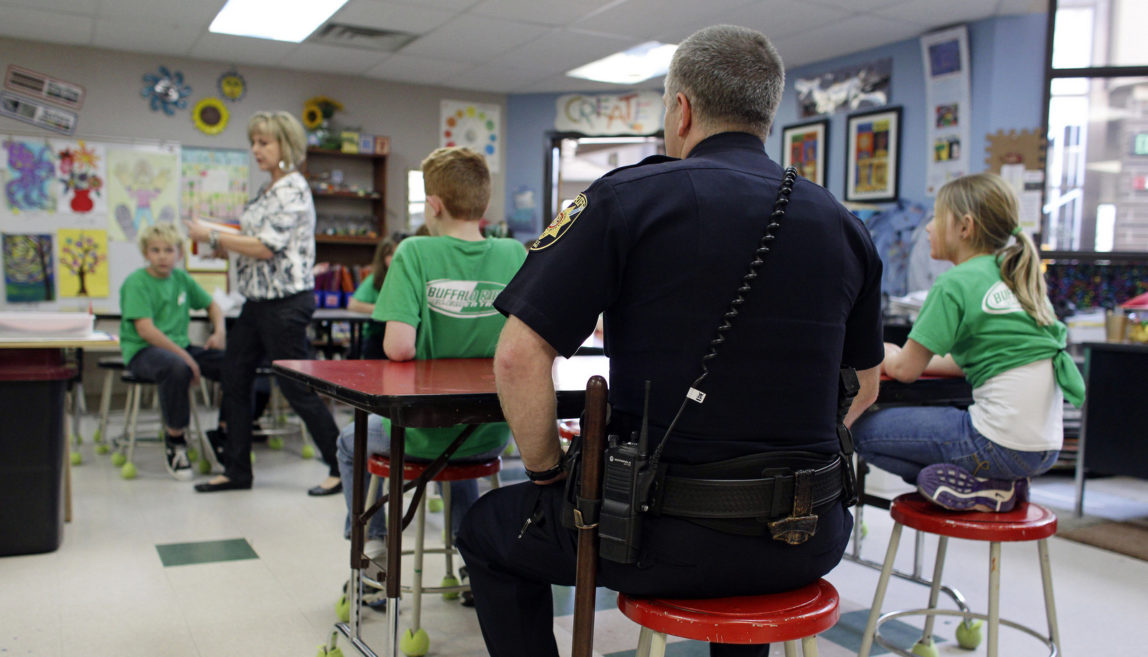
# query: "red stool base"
{"points": [[1027, 522], [380, 466], [787, 616]]}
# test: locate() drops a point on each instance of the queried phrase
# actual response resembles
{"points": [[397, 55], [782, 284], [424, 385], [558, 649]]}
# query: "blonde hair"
{"points": [[385, 248], [460, 177], [165, 232], [992, 205], [284, 128]]}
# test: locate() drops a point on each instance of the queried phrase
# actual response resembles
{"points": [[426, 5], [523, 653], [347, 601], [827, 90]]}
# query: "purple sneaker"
{"points": [[953, 487]]}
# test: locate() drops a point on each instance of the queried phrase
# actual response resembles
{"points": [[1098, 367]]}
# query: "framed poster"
{"points": [[872, 156], [804, 146]]}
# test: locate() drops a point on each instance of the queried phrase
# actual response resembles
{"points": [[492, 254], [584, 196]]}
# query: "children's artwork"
{"points": [[851, 88], [83, 256], [232, 85], [804, 146], [29, 272], [165, 91], [213, 186], [872, 159], [30, 172], [947, 106], [474, 126], [210, 116], [142, 190], [81, 169], [210, 280]]}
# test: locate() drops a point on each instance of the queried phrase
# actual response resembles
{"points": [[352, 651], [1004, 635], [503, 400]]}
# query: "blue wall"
{"points": [[1007, 80]]}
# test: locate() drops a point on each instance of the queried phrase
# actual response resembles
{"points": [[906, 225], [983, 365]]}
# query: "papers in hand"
{"points": [[908, 305], [220, 226]]}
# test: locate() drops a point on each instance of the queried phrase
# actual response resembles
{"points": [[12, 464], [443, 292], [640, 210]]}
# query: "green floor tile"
{"points": [[183, 554]]}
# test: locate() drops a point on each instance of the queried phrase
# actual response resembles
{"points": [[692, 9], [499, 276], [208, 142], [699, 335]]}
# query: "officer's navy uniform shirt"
{"points": [[660, 248]]}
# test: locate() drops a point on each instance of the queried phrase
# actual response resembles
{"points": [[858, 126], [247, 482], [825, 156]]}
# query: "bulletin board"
{"points": [[72, 208]]}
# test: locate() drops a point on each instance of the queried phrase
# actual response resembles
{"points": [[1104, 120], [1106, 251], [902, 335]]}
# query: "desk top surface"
{"points": [[96, 339]]}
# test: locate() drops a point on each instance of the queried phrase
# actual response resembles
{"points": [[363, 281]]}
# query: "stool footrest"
{"points": [[966, 615]]}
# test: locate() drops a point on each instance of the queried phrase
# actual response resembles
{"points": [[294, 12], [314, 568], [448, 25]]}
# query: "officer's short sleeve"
{"points": [[864, 344], [572, 271]]}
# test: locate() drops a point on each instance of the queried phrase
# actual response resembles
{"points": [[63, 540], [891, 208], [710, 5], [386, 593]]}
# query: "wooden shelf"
{"points": [[346, 239], [335, 153], [366, 196], [363, 170]]}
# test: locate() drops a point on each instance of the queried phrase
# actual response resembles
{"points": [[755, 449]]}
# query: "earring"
{"points": [[286, 168]]}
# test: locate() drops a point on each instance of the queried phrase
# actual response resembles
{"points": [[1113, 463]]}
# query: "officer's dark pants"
{"points": [[511, 575]]}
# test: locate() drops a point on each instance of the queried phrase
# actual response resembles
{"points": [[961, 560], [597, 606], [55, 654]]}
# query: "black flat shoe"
{"points": [[319, 491], [208, 487]]}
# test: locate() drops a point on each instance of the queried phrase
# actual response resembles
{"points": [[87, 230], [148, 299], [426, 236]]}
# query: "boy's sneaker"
{"points": [[953, 487], [176, 461]]}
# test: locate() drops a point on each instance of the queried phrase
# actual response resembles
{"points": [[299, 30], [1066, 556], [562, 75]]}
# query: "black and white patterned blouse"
{"points": [[282, 216]]}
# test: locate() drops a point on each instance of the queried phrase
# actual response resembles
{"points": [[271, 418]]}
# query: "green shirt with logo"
{"points": [[973, 315], [445, 288], [165, 301]]}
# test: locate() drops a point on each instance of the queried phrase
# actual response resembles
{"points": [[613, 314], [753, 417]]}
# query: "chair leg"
{"points": [[105, 407], [935, 588], [447, 534], [790, 648], [651, 643], [879, 596], [809, 646], [417, 580], [994, 597], [1049, 601], [134, 394]]}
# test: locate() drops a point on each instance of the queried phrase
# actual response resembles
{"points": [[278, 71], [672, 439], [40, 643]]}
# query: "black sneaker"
{"points": [[218, 440], [467, 595], [176, 461]]}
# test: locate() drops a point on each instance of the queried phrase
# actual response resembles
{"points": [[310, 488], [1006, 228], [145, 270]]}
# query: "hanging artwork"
{"points": [[37, 113], [44, 87], [83, 257], [210, 115], [803, 146], [30, 172], [165, 91], [232, 86], [142, 190], [947, 106], [471, 125], [80, 173], [872, 159], [29, 272], [849, 89], [213, 186]]}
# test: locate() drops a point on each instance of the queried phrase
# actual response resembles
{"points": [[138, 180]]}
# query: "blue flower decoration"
{"points": [[165, 91]]}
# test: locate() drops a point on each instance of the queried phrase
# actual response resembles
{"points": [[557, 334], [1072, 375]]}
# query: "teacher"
{"points": [[275, 249]]}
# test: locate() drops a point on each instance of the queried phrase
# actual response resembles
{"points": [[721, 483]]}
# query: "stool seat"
{"points": [[111, 363], [380, 466], [129, 377], [1027, 522], [770, 618]]}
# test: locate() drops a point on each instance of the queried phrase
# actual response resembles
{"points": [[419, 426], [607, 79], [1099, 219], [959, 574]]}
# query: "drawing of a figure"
{"points": [[143, 185], [34, 171]]}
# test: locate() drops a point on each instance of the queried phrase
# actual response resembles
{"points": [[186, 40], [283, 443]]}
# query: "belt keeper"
{"points": [[586, 513], [801, 524]]}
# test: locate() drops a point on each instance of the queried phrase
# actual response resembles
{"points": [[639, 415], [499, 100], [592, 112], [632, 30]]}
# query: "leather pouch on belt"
{"points": [[801, 524]]}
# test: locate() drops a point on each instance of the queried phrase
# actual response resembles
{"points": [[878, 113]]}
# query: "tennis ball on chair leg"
{"points": [[129, 471], [415, 645], [77, 458], [119, 459], [308, 452], [969, 634]]}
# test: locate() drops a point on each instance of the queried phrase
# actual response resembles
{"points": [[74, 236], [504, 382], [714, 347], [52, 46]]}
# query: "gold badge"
{"points": [[561, 224]]}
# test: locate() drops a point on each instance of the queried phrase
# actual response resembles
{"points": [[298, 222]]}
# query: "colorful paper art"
{"points": [[232, 86], [213, 186], [165, 91], [81, 172], [29, 270], [31, 170], [142, 190], [210, 116], [474, 126], [83, 256]]}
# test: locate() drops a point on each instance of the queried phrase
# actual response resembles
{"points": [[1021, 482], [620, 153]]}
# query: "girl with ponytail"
{"points": [[989, 319]]}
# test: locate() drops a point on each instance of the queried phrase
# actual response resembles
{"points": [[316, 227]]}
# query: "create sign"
{"points": [[634, 113]]}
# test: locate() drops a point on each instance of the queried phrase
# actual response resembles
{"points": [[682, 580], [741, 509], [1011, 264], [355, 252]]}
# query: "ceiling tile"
{"points": [[938, 12], [500, 79], [390, 16], [449, 5], [561, 50], [564, 84], [648, 18], [777, 18], [543, 12], [174, 12], [842, 38], [474, 38], [858, 6], [77, 7], [144, 36], [417, 70], [241, 50], [36, 25], [332, 59]]}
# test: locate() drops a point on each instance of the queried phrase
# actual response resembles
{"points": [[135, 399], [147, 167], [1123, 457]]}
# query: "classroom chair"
{"points": [[1027, 522]]}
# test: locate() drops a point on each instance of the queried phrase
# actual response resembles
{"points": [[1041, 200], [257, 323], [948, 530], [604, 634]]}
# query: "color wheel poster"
{"points": [[474, 126]]}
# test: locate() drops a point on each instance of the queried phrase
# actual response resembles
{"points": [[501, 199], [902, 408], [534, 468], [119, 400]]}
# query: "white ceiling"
{"points": [[502, 46]]}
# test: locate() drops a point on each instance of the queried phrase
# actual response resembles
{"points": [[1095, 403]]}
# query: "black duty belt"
{"points": [[763, 498]]}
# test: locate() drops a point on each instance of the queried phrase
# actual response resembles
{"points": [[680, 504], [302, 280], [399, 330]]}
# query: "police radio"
{"points": [[628, 470]]}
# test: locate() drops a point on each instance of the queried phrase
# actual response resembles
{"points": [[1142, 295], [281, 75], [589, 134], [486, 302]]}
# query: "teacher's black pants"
{"points": [[510, 575]]}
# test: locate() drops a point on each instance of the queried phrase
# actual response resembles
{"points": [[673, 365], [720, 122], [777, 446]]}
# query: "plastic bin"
{"points": [[32, 386]]}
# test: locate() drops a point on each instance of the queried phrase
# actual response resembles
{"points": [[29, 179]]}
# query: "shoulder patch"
{"points": [[561, 224]]}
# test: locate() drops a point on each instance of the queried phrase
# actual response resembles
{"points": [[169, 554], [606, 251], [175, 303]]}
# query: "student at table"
{"points": [[363, 300], [155, 302], [661, 248], [437, 302]]}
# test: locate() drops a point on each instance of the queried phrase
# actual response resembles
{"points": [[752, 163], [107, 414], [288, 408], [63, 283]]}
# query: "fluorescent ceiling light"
{"points": [[281, 20], [642, 62]]}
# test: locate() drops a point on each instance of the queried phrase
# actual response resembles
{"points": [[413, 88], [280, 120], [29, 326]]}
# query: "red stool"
{"points": [[1027, 522], [787, 617], [415, 641]]}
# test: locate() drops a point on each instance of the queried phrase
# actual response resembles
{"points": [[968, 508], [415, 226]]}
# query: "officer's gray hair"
{"points": [[732, 76]]}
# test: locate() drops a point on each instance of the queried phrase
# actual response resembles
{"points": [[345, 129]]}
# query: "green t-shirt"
{"points": [[367, 293], [973, 315], [445, 288], [166, 301]]}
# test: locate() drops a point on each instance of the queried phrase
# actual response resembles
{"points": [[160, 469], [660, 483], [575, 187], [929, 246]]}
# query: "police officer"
{"points": [[660, 248]]}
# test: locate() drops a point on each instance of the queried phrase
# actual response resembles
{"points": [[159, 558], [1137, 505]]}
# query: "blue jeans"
{"points": [[173, 378], [462, 493], [903, 440]]}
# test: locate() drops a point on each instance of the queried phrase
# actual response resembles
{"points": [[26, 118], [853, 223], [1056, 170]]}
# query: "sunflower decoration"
{"points": [[312, 116], [210, 115]]}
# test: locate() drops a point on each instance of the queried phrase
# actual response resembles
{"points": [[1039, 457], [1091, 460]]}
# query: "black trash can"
{"points": [[32, 387]]}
